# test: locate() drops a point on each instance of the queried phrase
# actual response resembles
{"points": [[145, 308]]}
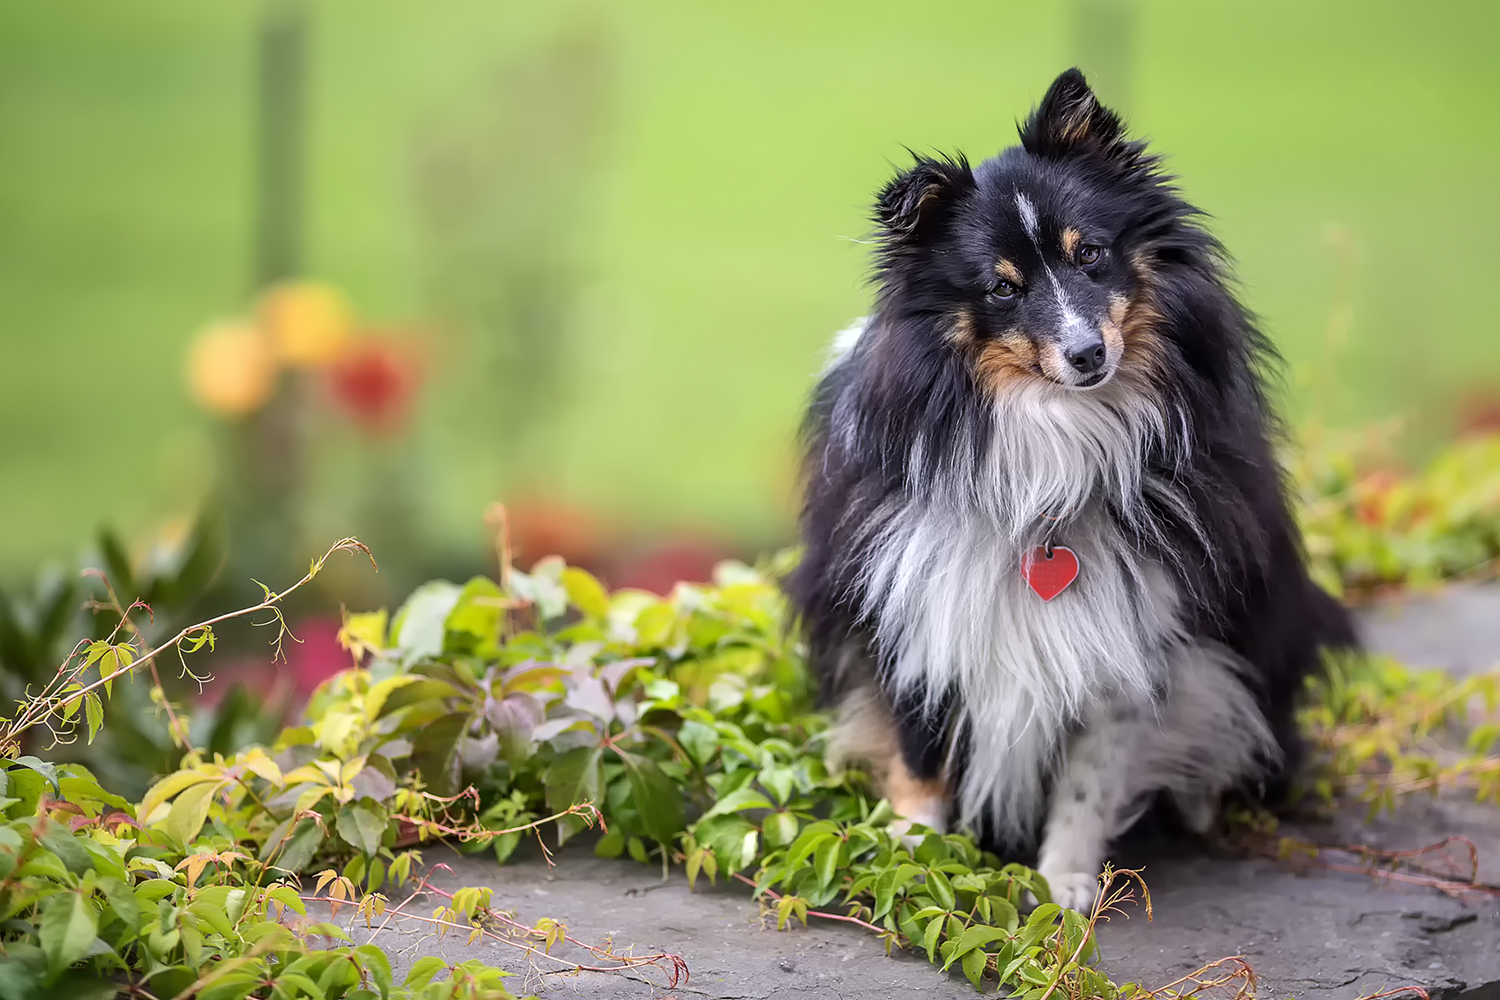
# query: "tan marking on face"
{"points": [[1008, 359], [1113, 327], [1010, 273], [962, 332], [1138, 319], [1070, 240]]}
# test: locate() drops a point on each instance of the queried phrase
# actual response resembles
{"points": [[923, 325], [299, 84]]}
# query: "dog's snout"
{"points": [[1087, 358]]}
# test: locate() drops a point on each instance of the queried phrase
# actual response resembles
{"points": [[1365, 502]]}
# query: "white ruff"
{"points": [[946, 599]]}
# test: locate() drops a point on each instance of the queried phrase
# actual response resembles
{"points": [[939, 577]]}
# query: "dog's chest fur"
{"points": [[953, 614]]}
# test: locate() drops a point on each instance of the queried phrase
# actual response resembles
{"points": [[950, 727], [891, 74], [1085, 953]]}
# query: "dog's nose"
{"points": [[1087, 359]]}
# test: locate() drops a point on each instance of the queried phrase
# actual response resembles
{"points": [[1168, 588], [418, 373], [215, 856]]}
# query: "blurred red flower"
{"points": [[375, 382]]}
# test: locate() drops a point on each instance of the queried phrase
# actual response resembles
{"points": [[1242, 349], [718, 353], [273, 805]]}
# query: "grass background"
{"points": [[717, 232]]}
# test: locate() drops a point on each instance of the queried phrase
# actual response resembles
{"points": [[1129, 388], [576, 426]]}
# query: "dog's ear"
{"points": [[1070, 120], [912, 202]]}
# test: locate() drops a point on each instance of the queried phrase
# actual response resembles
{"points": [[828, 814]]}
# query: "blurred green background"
{"points": [[625, 231]]}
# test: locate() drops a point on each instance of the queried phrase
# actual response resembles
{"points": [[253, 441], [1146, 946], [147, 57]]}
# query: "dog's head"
{"points": [[1038, 263]]}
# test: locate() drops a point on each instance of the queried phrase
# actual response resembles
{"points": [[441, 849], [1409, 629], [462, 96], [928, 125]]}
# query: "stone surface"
{"points": [[1317, 935], [1457, 629]]}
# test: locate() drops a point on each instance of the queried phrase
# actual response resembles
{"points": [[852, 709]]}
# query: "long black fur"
{"points": [[1240, 569]]}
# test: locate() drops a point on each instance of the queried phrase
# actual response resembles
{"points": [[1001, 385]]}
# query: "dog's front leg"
{"points": [[1092, 791]]}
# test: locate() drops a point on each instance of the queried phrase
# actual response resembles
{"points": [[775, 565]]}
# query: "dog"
{"points": [[1050, 576]]}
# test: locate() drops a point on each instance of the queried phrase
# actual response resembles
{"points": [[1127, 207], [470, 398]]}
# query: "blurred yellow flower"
{"points": [[231, 368], [309, 323]]}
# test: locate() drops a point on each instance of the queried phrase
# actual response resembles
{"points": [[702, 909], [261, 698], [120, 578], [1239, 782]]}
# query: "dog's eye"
{"points": [[1004, 290], [1088, 254]]}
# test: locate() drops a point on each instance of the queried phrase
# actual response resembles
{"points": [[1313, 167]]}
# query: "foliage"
{"points": [[1368, 529], [1382, 730], [478, 714], [542, 705]]}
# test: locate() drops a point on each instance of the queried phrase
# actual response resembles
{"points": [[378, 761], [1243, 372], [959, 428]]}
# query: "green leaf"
{"points": [[931, 935], [436, 752], [941, 889], [611, 845], [973, 965], [418, 628], [42, 767], [656, 798], [779, 829], [738, 800], [67, 929], [362, 824], [93, 711], [298, 849], [975, 937], [422, 971], [60, 841], [826, 861], [585, 593], [373, 961], [577, 776], [189, 811]]}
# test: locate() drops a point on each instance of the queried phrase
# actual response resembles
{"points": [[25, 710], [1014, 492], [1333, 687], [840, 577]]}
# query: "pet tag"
{"points": [[1049, 573]]}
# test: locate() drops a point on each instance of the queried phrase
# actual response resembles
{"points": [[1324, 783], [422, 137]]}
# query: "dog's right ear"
{"points": [[916, 198]]}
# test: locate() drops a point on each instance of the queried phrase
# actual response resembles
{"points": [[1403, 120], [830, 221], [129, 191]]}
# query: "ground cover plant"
{"points": [[676, 730]]}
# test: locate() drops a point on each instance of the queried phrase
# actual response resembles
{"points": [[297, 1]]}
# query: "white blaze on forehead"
{"points": [[1028, 215]]}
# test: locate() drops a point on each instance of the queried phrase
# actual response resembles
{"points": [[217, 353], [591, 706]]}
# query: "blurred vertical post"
{"points": [[264, 497], [281, 68], [1104, 41]]}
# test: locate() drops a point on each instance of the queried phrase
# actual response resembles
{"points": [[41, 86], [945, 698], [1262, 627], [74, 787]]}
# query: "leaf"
{"points": [[422, 971], [297, 850], [67, 929], [611, 845], [930, 937], [362, 824], [189, 811], [373, 961], [656, 798], [779, 829], [42, 767], [975, 937], [826, 862], [417, 631], [738, 800], [577, 776], [973, 965], [93, 711], [585, 593], [436, 752], [167, 787]]}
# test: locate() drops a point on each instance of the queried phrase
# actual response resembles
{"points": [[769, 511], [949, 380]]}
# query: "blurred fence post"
{"points": [[267, 475], [1104, 33], [282, 70]]}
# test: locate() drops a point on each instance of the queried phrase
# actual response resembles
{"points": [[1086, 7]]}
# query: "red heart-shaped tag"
{"points": [[1049, 574]]}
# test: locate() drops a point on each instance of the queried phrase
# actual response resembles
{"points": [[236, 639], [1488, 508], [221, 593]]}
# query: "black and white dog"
{"points": [[1050, 574]]}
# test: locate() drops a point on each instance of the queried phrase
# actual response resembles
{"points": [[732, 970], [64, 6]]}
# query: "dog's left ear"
{"points": [[920, 196], [1071, 120]]}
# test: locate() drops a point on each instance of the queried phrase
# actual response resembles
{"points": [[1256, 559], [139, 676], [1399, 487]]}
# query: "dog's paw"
{"points": [[1073, 890], [912, 832]]}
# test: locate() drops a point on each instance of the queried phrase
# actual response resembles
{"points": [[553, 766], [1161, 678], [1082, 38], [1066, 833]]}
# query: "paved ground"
{"points": [[1319, 935]]}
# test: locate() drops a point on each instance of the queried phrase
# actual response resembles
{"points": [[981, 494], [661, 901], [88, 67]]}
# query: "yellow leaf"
{"points": [[306, 775], [349, 770], [310, 798], [167, 787], [257, 762]]}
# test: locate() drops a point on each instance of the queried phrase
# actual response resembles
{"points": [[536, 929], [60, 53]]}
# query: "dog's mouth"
{"points": [[1093, 381]]}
